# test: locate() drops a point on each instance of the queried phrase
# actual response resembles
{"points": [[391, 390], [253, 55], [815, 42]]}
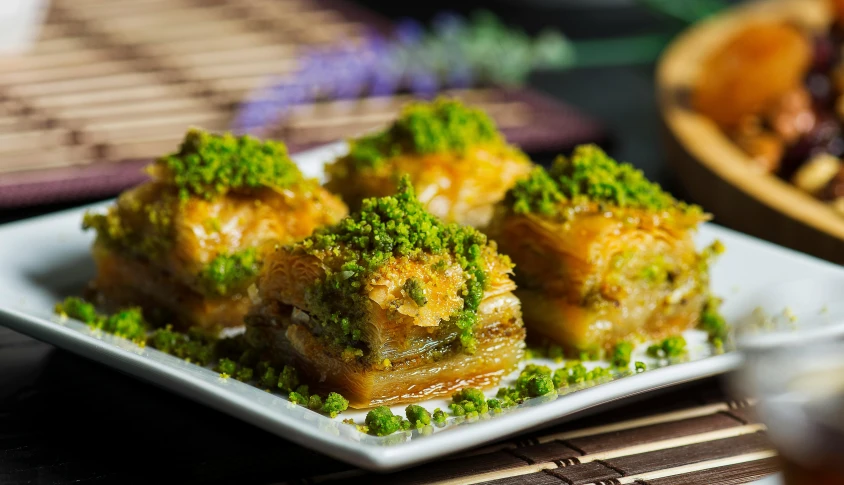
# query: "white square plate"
{"points": [[42, 260]]}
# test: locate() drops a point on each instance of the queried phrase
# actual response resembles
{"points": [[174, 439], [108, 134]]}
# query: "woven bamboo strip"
{"points": [[68, 86], [639, 422], [124, 94], [141, 107], [53, 60], [674, 442], [697, 467], [272, 52], [496, 475], [632, 450]]}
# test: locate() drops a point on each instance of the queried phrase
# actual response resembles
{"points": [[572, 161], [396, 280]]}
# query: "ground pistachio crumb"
{"points": [[415, 289], [209, 165], [712, 322], [297, 398], [288, 380], [439, 417], [198, 349], [671, 347], [226, 366], [128, 323], [621, 354], [381, 421], [244, 374], [269, 378], [405, 425], [229, 272], [589, 175], [417, 415], [79, 309], [640, 366], [444, 125], [314, 402], [476, 396], [334, 404]]}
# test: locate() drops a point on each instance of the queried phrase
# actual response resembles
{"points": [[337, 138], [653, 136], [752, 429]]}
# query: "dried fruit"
{"points": [[834, 189], [755, 67], [765, 148], [825, 137], [815, 174], [791, 115]]}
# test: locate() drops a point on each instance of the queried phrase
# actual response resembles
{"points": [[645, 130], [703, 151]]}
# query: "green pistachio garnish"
{"points": [[671, 347], [589, 175], [416, 291], [418, 416], [621, 354], [128, 323], [210, 165], [444, 125], [381, 421], [334, 404], [229, 272]]}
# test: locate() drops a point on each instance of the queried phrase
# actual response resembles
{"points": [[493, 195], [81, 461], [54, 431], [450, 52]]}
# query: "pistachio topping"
{"points": [[415, 289], [589, 175], [209, 165], [423, 128], [228, 272]]}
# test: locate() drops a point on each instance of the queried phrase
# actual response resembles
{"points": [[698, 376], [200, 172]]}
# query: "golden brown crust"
{"points": [[597, 279], [438, 371], [289, 275], [455, 187], [200, 230], [167, 243], [123, 281]]}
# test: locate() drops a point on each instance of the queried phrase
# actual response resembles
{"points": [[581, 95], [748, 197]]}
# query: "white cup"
{"points": [[20, 23]]}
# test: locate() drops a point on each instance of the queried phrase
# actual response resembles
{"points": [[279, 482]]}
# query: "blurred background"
{"points": [[91, 89]]}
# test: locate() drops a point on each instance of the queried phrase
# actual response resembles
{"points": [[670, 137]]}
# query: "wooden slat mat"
{"points": [[113, 83], [712, 443]]}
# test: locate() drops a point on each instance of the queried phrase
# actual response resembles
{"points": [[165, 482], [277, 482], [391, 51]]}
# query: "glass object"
{"points": [[20, 23], [794, 368]]}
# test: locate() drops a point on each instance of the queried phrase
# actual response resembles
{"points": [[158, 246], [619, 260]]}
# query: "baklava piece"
{"points": [[459, 163], [187, 245], [602, 255], [390, 305]]}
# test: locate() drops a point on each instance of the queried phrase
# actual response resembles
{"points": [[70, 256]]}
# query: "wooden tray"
{"points": [[716, 173]]}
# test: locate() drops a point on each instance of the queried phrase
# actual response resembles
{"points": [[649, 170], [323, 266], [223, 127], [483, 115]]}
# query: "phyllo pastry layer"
{"points": [[390, 305], [602, 254], [187, 245], [457, 160]]}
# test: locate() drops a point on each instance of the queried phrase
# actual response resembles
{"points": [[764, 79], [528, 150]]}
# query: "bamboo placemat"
{"points": [[112, 83], [702, 440]]}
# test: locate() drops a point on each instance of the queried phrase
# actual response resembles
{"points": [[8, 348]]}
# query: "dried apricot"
{"points": [[753, 69]]}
